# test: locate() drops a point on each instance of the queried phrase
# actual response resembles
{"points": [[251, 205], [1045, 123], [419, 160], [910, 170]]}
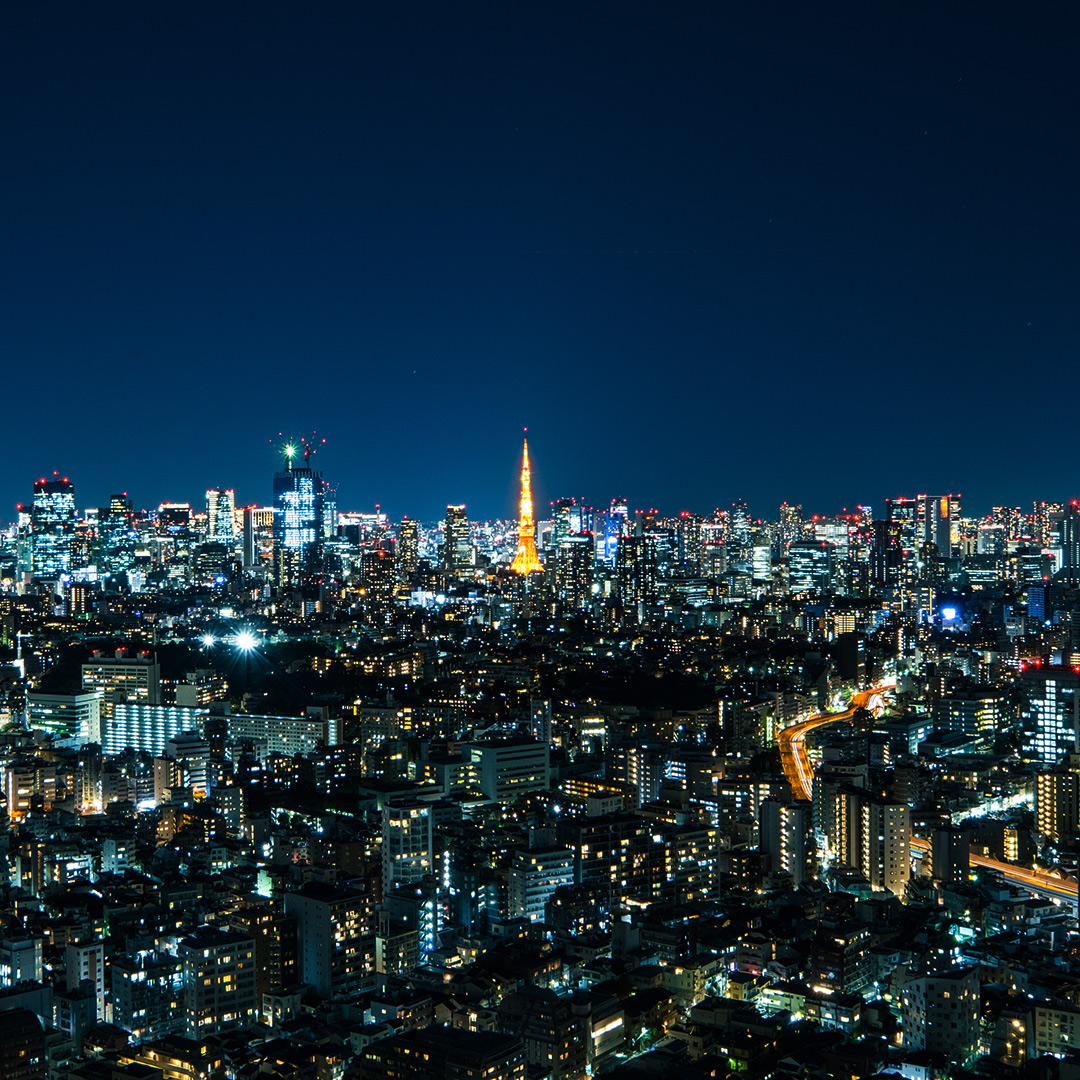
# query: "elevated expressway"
{"points": [[800, 774], [792, 741]]}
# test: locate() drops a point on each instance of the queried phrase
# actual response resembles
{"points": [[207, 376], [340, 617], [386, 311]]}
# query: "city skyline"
{"points": [[548, 497], [659, 656], [714, 253]]}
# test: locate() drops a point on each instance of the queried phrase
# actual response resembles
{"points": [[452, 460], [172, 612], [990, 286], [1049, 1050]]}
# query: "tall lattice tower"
{"points": [[526, 560]]}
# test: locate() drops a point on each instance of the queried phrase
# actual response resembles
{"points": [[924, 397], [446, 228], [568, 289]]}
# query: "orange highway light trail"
{"points": [[792, 744], [1021, 875], [796, 765]]}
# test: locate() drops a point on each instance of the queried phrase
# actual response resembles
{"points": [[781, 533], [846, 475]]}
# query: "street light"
{"points": [[245, 641]]}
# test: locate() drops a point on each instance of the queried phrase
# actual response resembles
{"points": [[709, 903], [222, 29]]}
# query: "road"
{"points": [[792, 743], [796, 764], [1037, 880]]}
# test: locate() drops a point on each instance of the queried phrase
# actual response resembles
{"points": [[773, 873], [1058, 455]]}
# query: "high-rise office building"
{"points": [[612, 525], [52, 526], [635, 574], [810, 565], [121, 677], [407, 553], [566, 516], [886, 554], [115, 548], [1043, 519], [739, 532], [258, 535], [974, 712], [761, 558], [305, 516], [690, 541], [791, 523], [221, 517], [906, 514], [574, 572], [457, 547], [377, 575], [1070, 541], [1050, 713], [510, 768], [939, 512]]}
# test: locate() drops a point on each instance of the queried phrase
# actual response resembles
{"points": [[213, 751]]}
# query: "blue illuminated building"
{"points": [[305, 513], [52, 526]]}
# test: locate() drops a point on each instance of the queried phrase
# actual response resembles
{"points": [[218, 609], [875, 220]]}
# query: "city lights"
{"points": [[689, 739]]}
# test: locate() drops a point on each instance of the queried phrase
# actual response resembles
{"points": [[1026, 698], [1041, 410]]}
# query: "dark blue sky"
{"points": [[821, 253]]}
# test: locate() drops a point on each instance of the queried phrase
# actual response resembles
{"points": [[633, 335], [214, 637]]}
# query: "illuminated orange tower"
{"points": [[526, 560]]}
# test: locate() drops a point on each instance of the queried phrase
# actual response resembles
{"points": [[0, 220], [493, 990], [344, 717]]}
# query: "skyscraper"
{"points": [[52, 525], [115, 550], [221, 516], [810, 565], [615, 526], [791, 523], [635, 573], [408, 549], [305, 514], [574, 572], [690, 541], [938, 514], [457, 549], [1050, 713], [1070, 541], [526, 560], [566, 516]]}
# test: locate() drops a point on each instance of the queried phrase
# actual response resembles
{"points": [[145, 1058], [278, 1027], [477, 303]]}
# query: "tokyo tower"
{"points": [[526, 560]]}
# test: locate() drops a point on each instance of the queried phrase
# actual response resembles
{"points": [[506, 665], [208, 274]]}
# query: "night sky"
{"points": [[820, 253]]}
